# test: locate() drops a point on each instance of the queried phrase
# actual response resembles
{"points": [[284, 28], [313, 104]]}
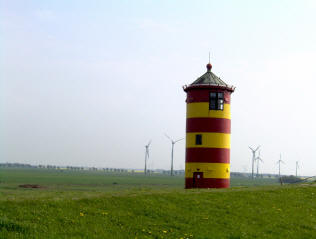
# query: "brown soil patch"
{"points": [[30, 186]]}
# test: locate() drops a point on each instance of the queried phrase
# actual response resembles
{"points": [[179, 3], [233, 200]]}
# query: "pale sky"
{"points": [[89, 83]]}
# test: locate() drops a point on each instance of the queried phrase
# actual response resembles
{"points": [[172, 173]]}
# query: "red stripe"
{"points": [[207, 183], [207, 155], [203, 95], [217, 125]]}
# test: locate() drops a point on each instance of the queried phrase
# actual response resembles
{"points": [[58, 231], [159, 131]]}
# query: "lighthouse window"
{"points": [[198, 139], [216, 101]]}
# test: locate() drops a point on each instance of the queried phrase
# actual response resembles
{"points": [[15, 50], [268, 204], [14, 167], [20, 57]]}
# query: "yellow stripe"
{"points": [[209, 140], [210, 170], [201, 110]]}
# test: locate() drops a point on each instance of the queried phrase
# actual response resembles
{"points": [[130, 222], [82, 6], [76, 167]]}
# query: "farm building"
{"points": [[208, 127]]}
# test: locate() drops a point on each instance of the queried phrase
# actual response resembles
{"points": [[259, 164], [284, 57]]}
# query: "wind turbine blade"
{"points": [[250, 148], [168, 136], [257, 148], [149, 143], [178, 140]]}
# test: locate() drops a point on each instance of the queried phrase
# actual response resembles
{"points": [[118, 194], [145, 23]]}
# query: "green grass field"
{"points": [[98, 205]]}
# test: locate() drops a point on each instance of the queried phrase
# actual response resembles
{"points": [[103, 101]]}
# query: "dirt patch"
{"points": [[30, 186]]}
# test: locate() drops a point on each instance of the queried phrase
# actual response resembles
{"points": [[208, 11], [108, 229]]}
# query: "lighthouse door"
{"points": [[197, 179]]}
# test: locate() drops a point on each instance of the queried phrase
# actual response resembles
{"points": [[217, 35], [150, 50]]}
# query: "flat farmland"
{"points": [[89, 204]]}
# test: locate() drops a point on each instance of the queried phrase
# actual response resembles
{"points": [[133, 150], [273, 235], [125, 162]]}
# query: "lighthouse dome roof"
{"points": [[209, 78]]}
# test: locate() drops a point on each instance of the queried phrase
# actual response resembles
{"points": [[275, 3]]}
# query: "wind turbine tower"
{"points": [[297, 166], [173, 142], [253, 159], [258, 161], [146, 156], [279, 162]]}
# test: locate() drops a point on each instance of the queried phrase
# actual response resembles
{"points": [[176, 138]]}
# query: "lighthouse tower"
{"points": [[207, 160]]}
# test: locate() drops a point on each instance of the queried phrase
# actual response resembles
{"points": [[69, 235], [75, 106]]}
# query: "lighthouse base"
{"points": [[201, 182]]}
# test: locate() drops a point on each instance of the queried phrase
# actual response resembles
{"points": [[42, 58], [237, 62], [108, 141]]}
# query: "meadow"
{"points": [[88, 204]]}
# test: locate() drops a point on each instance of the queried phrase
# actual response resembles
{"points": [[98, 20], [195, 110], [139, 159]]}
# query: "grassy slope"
{"points": [[153, 210]]}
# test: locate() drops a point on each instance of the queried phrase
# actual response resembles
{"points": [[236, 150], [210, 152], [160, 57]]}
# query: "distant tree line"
{"points": [[71, 168], [248, 175], [120, 170], [175, 172], [16, 165]]}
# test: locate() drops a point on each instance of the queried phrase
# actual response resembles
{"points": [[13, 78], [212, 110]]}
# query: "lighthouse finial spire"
{"points": [[209, 65]]}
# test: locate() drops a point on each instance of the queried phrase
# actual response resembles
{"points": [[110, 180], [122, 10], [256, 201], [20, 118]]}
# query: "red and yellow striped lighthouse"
{"points": [[207, 160]]}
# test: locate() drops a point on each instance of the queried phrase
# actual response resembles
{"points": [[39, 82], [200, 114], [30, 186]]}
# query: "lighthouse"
{"points": [[208, 128]]}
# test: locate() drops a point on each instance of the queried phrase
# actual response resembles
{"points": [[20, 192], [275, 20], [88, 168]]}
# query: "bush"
{"points": [[290, 179]]}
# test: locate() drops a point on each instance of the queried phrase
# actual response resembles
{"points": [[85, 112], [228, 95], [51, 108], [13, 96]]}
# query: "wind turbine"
{"points": [[258, 161], [173, 142], [253, 158], [146, 155], [279, 162], [297, 166]]}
